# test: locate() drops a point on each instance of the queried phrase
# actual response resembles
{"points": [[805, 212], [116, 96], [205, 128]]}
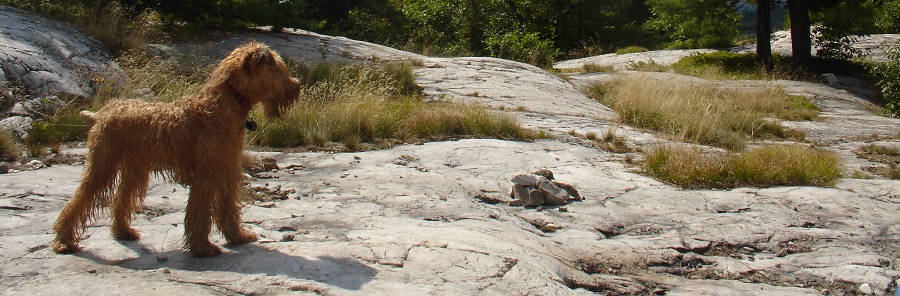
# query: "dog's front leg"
{"points": [[198, 220]]}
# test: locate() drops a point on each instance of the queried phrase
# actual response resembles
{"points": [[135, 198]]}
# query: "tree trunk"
{"points": [[764, 33], [801, 43], [474, 32]]}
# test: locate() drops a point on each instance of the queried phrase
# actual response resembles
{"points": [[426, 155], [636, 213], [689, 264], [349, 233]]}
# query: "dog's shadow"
{"points": [[346, 273]]}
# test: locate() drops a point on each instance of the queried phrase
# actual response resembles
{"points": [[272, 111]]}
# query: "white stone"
{"points": [[865, 289]]}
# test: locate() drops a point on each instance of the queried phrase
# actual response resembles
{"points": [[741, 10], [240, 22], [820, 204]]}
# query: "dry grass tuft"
{"points": [[355, 105], [791, 165], [699, 112], [613, 142], [594, 68], [8, 148], [883, 154]]}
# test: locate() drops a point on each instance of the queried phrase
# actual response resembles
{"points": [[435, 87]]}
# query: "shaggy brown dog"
{"points": [[196, 141]]}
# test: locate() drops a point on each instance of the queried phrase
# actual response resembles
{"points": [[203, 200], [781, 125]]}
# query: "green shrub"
{"points": [[888, 74], [522, 46], [695, 23], [791, 165], [631, 49]]}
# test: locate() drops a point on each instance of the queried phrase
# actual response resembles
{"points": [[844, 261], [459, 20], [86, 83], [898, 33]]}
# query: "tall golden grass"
{"points": [[700, 112], [8, 148], [353, 105], [772, 165]]}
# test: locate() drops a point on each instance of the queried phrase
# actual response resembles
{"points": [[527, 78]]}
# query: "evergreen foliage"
{"points": [[533, 31], [696, 23]]}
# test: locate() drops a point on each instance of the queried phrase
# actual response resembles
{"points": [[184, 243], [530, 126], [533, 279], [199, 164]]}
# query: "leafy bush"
{"points": [[835, 44], [521, 46], [775, 165], [888, 74], [695, 23]]}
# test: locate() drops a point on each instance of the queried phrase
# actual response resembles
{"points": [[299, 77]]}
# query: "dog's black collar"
{"points": [[250, 124]]}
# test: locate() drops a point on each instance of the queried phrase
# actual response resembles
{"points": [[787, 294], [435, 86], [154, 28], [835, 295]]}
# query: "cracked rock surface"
{"points": [[47, 57], [407, 220]]}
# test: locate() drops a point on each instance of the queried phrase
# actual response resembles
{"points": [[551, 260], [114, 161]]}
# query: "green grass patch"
{"points": [[701, 113], [359, 105], [776, 165], [631, 49], [723, 65]]}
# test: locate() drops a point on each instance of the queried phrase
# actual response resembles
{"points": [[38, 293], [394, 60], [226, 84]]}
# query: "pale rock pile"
{"points": [[538, 188]]}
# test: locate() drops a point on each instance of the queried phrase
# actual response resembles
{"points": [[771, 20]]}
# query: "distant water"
{"points": [[779, 19]]}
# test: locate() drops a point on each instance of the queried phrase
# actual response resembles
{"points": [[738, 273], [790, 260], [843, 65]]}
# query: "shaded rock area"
{"points": [[43, 62], [420, 219], [47, 57], [298, 45]]}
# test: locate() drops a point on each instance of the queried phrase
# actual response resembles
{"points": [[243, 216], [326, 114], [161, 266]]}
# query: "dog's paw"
{"points": [[245, 237], [126, 233], [62, 248], [207, 249]]}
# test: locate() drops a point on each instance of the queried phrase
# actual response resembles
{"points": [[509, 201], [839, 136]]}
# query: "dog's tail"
{"points": [[88, 117]]}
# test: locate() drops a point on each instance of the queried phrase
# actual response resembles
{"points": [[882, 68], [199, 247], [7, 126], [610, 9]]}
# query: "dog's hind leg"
{"points": [[132, 189], [94, 192]]}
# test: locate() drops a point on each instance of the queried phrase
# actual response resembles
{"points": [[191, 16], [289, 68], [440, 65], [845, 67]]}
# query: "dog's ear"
{"points": [[260, 58]]}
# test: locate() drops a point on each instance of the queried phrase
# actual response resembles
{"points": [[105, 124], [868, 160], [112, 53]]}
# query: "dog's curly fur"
{"points": [[196, 141]]}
